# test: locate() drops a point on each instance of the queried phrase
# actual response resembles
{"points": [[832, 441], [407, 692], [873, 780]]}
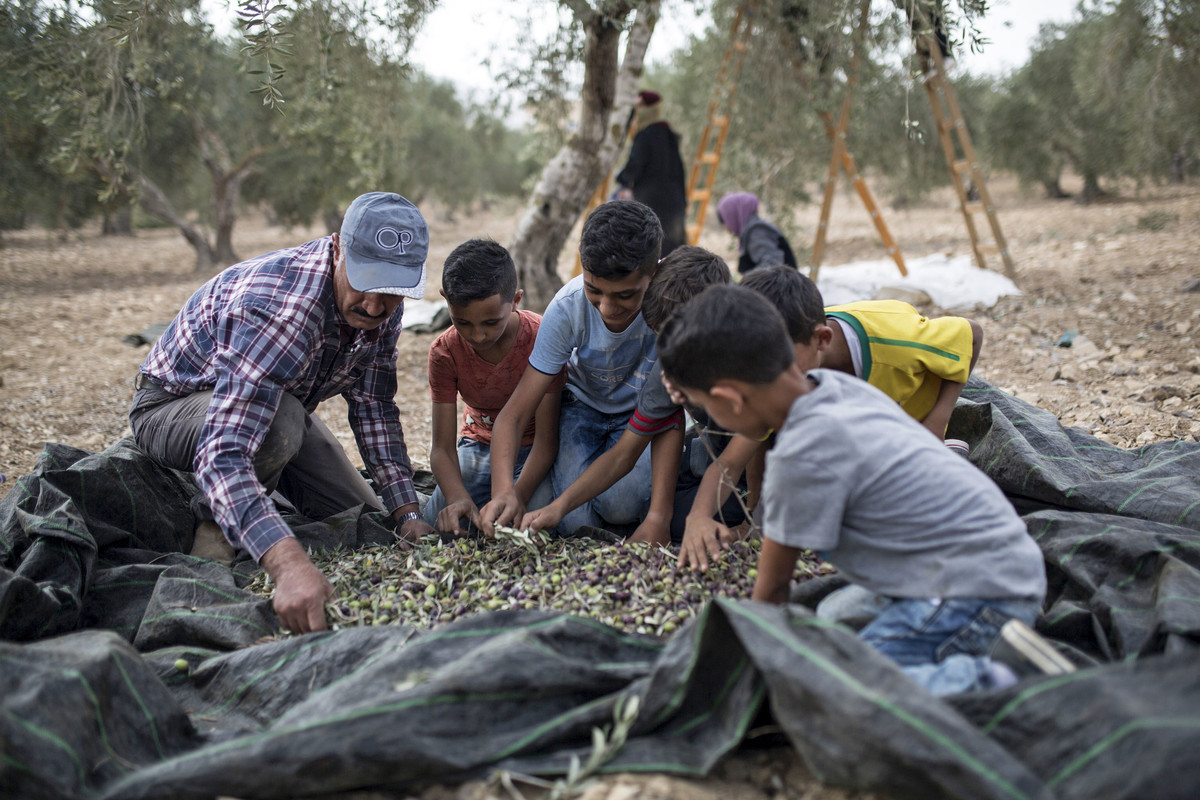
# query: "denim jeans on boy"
{"points": [[944, 644], [583, 435], [696, 460], [475, 464]]}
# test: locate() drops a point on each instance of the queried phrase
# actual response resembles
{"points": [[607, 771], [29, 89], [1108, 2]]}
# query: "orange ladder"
{"points": [[960, 155], [720, 107]]}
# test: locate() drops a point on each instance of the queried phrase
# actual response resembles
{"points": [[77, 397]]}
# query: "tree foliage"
{"points": [[139, 100], [801, 64], [1110, 94]]}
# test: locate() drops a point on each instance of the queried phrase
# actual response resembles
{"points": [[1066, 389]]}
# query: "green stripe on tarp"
{"points": [[1028, 694], [1186, 511], [206, 615], [245, 687], [132, 500], [1147, 487], [76, 675], [146, 712], [734, 676], [541, 730], [616, 634], [1084, 540], [903, 716], [52, 738], [1126, 730], [697, 631]]}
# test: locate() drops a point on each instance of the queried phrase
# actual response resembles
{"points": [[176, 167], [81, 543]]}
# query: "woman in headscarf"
{"points": [[654, 172], [760, 244]]}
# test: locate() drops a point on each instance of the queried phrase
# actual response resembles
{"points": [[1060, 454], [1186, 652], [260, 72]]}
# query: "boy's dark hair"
{"points": [[795, 296], [724, 333], [476, 270], [683, 274], [619, 238]]}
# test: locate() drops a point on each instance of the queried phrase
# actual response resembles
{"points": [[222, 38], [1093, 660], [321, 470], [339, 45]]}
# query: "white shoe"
{"points": [[1027, 653]]}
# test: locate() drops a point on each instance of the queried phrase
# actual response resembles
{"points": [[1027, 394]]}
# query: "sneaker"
{"points": [[1027, 653]]}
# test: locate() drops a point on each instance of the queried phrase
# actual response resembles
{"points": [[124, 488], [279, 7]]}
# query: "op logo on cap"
{"points": [[389, 238]]}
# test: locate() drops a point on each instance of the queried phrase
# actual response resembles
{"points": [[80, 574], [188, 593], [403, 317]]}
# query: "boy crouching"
{"points": [[854, 478]]}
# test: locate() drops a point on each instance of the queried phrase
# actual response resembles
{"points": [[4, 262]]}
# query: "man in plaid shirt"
{"points": [[228, 391]]}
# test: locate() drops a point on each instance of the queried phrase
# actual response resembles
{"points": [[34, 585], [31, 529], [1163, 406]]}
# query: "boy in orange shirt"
{"points": [[481, 358]]}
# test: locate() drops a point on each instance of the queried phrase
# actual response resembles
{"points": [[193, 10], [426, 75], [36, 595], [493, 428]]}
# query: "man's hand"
{"points": [[703, 540], [300, 588], [450, 518], [545, 518], [504, 509]]}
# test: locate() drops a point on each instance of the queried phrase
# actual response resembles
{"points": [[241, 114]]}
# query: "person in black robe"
{"points": [[654, 172]]}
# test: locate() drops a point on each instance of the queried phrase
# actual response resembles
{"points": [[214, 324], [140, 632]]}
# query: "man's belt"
{"points": [[142, 379]]}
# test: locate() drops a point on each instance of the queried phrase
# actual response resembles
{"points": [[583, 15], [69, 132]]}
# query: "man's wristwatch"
{"points": [[406, 518]]}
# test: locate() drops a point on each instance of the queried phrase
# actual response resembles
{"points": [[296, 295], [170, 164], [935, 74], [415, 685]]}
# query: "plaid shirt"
{"points": [[261, 328]]}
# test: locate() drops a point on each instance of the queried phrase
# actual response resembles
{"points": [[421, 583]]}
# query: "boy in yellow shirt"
{"points": [[922, 363]]}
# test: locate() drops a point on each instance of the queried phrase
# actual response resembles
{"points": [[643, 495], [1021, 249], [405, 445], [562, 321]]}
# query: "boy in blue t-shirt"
{"points": [[854, 478], [594, 327], [657, 421]]}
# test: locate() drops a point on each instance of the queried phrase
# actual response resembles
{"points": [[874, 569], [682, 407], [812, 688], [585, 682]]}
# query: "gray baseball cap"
{"points": [[386, 244]]}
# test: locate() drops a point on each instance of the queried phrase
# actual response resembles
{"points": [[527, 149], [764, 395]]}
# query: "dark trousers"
{"points": [[299, 457]]}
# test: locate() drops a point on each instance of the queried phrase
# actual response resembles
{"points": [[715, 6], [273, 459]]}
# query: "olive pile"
{"points": [[633, 587]]}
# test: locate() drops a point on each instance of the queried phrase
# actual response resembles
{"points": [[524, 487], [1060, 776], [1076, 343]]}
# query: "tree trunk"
{"points": [[1177, 172], [227, 180], [572, 175], [117, 221], [1091, 188], [154, 202], [1054, 190]]}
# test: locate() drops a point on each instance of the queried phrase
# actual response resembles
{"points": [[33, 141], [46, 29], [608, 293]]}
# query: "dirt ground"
{"points": [[1123, 275]]}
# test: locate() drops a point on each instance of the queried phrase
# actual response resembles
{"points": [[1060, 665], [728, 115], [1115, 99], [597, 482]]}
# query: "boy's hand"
{"points": [[776, 563], [703, 539], [542, 519], [652, 531], [676, 396], [504, 509], [450, 517]]}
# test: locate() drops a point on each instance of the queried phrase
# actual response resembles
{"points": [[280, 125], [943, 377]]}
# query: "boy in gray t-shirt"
{"points": [[859, 481]]}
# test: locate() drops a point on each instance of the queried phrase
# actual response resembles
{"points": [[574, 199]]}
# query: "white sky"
{"points": [[460, 34]]}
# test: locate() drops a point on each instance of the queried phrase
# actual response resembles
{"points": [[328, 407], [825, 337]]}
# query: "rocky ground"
{"points": [[1122, 276]]}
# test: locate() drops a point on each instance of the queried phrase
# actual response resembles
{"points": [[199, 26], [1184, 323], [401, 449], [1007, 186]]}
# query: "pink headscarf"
{"points": [[735, 209]]}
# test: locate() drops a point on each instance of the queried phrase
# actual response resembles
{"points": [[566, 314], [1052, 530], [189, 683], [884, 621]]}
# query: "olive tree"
{"points": [[591, 30], [146, 95]]}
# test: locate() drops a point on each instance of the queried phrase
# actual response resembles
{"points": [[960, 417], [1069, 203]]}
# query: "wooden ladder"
{"points": [[960, 154], [840, 158], [720, 113]]}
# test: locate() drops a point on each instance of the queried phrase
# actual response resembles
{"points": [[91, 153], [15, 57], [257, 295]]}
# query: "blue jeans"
{"points": [[944, 644], [696, 459], [475, 464], [583, 435]]}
